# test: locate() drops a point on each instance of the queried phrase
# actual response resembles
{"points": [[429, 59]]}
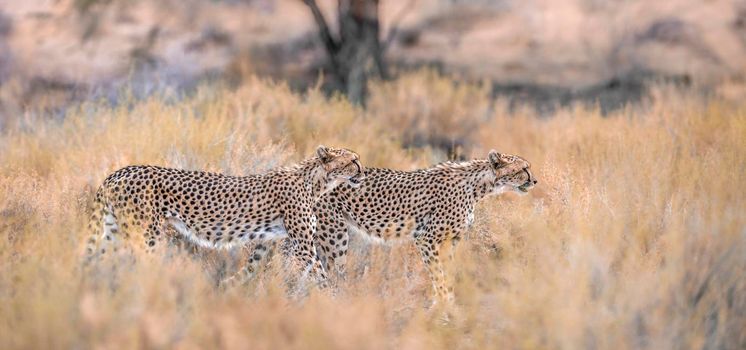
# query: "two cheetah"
{"points": [[314, 204]]}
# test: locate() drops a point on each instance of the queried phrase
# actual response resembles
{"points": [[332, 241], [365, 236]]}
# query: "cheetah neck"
{"points": [[481, 182], [314, 177], [477, 175]]}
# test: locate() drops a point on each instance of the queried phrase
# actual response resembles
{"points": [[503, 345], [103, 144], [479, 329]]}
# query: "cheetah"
{"points": [[217, 211], [431, 206]]}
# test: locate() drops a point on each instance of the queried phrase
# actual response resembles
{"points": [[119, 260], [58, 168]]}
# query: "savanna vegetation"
{"points": [[635, 236]]}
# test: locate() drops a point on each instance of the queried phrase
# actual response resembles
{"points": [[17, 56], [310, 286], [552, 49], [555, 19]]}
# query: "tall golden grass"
{"points": [[634, 238]]}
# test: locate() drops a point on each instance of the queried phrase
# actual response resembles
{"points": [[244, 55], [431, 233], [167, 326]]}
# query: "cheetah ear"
{"points": [[323, 153], [496, 159]]}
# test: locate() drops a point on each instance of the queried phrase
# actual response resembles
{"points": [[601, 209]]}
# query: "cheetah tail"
{"points": [[94, 228]]}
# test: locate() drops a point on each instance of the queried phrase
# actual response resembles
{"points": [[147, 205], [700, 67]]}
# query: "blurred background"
{"points": [[548, 53], [631, 113]]}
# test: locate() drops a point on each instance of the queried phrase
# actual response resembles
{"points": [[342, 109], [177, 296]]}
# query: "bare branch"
{"points": [[395, 24], [326, 35]]}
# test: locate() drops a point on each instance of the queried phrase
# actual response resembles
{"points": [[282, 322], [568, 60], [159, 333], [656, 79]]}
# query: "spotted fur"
{"points": [[218, 211], [430, 206]]}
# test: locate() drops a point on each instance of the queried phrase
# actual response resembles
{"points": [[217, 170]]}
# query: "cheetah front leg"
{"points": [[332, 236], [304, 254], [429, 244], [301, 227]]}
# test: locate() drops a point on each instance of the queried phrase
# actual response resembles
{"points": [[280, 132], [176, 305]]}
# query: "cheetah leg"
{"points": [[338, 265], [306, 256], [332, 235], [301, 229], [430, 256], [454, 241], [331, 240], [260, 254]]}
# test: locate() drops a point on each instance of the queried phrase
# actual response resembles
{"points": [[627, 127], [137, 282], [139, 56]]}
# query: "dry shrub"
{"points": [[427, 109], [634, 237]]}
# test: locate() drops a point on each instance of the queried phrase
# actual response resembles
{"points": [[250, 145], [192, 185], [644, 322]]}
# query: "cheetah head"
{"points": [[340, 165], [512, 173]]}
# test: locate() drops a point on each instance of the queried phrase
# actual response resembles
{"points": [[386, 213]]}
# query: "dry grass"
{"points": [[634, 238]]}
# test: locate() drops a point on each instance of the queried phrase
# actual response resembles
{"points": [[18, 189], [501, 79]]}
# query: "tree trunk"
{"points": [[357, 53]]}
